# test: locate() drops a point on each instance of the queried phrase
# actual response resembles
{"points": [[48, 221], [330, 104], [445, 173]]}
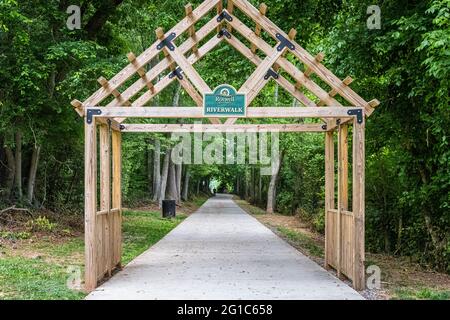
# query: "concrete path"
{"points": [[221, 252]]}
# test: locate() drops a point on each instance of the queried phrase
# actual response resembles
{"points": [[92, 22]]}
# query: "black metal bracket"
{"points": [[224, 32], [167, 42], [338, 122], [91, 113], [224, 15], [324, 127], [284, 43], [271, 73], [121, 127], [177, 72], [358, 113]]}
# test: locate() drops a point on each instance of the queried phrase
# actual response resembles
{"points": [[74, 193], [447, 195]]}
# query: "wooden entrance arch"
{"points": [[344, 230]]}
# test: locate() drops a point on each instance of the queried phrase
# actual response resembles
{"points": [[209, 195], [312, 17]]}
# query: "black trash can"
{"points": [[168, 208]]}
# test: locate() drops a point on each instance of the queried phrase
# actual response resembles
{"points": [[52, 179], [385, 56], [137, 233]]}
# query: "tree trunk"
{"points": [[18, 158], [271, 192], [164, 174], [150, 172], [179, 176], [11, 172], [185, 193], [156, 170], [172, 191], [32, 174]]}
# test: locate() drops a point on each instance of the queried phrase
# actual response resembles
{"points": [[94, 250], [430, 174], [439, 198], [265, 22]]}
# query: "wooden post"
{"points": [[342, 197], [105, 198], [329, 190], [90, 204], [358, 205], [117, 195]]}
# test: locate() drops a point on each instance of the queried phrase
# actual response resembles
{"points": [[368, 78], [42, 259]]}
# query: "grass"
{"points": [[37, 268], [421, 294], [303, 241], [249, 208]]}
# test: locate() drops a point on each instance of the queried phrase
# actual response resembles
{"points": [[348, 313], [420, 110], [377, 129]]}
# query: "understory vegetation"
{"points": [[39, 263], [44, 66]]}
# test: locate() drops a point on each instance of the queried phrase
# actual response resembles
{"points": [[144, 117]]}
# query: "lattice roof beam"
{"points": [[144, 58], [202, 51], [283, 62], [320, 70], [262, 11], [165, 63], [283, 82], [184, 64]]}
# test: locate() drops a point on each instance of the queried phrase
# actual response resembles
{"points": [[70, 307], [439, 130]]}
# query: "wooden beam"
{"points": [[358, 206], [283, 62], [329, 193], [230, 9], [165, 63], [185, 65], [80, 110], [262, 11], [105, 84], [198, 99], [333, 92], [292, 33], [116, 142], [150, 53], [241, 128], [319, 69], [90, 205], [283, 82], [105, 199], [191, 30], [197, 112], [140, 70], [163, 83], [317, 60]]}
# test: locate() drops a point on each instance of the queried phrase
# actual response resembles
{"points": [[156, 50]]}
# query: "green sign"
{"points": [[224, 102]]}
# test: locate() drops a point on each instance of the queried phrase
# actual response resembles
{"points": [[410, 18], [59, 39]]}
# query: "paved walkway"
{"points": [[221, 252]]}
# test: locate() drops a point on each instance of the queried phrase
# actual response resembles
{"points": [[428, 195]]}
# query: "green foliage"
{"points": [[303, 241], [41, 224]]}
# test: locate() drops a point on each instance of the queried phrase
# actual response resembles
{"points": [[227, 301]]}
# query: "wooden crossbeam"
{"points": [[105, 84], [292, 33], [79, 108], [188, 11], [164, 82], [283, 62], [198, 98], [333, 92], [317, 59], [197, 112], [230, 9], [165, 63], [320, 70], [241, 128], [262, 11], [283, 82], [185, 65], [140, 70], [150, 53], [161, 36]]}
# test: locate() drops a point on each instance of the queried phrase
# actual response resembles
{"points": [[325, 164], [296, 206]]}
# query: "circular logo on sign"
{"points": [[225, 92]]}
